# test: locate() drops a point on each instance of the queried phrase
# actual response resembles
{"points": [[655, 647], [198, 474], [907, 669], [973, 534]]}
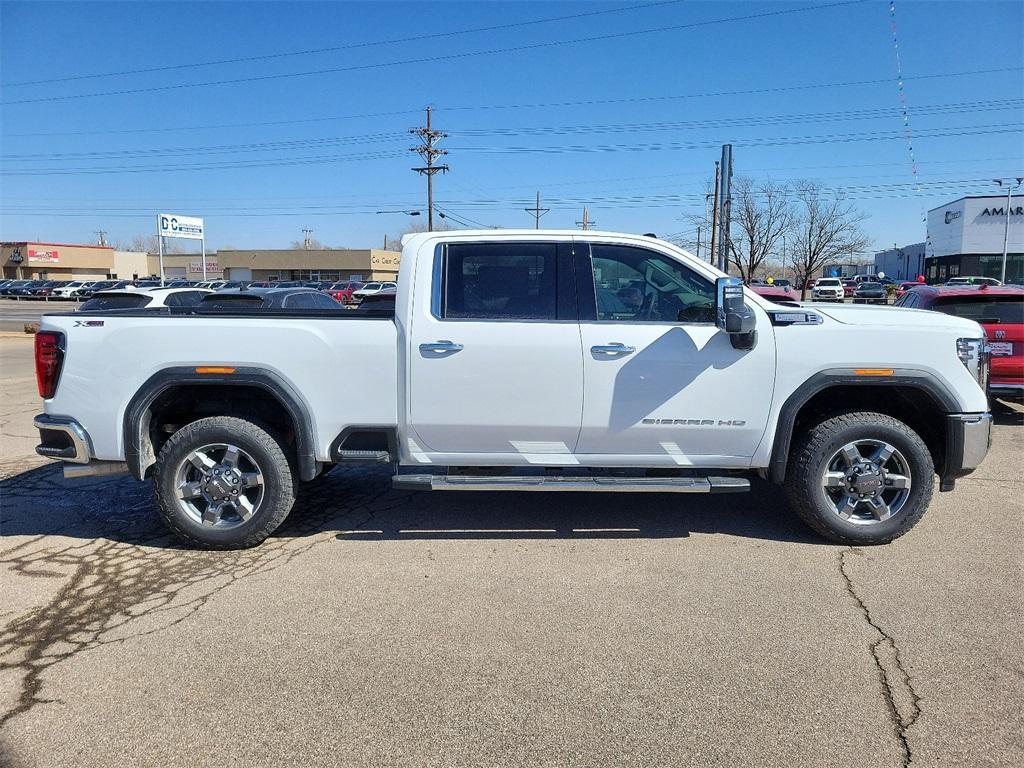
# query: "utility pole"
{"points": [[586, 223], [428, 150], [1006, 227], [101, 237], [698, 242], [714, 216], [537, 211], [725, 219], [307, 241]]}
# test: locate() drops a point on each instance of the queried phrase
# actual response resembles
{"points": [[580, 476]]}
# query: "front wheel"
{"points": [[860, 478], [223, 483]]}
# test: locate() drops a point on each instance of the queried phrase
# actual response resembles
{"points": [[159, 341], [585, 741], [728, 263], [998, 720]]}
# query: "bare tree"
{"points": [[148, 244], [394, 241], [300, 245], [826, 227], [764, 214]]}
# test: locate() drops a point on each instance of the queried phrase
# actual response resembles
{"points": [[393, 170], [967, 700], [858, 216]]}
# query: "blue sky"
{"points": [[629, 125]]}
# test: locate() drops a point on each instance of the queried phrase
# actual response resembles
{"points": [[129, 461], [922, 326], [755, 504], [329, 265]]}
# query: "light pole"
{"points": [[1006, 226]]}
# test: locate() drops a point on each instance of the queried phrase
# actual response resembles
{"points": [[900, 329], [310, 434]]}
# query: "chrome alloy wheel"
{"points": [[219, 485], [866, 482]]}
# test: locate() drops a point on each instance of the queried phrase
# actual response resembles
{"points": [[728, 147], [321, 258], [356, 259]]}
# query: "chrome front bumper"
{"points": [[968, 438]]}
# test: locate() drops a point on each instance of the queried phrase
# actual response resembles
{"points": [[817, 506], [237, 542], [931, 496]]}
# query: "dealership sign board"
{"points": [[48, 257], [171, 225], [197, 266]]}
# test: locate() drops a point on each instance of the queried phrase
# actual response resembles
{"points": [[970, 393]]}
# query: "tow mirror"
{"points": [[732, 314]]}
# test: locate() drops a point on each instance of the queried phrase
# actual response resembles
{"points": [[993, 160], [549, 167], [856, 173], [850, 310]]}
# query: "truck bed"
{"points": [[342, 364]]}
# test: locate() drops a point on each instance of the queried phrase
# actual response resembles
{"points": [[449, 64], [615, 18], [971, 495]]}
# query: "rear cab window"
{"points": [[504, 281], [115, 301], [1004, 310]]}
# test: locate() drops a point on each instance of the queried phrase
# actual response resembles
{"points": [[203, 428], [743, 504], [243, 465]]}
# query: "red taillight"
{"points": [[49, 357]]}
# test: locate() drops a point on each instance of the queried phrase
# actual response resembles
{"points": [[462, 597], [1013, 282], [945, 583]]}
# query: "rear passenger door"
{"points": [[495, 360]]}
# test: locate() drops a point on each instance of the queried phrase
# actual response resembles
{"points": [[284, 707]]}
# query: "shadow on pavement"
{"points": [[360, 503], [1005, 415]]}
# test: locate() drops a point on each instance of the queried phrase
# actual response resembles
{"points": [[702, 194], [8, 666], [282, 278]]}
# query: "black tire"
{"points": [[808, 462], [265, 450]]}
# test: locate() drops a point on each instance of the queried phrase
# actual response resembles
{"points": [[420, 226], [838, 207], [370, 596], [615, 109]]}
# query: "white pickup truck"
{"points": [[524, 361]]}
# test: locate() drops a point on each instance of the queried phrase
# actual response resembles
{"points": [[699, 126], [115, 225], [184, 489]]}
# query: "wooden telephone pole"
{"points": [[428, 150], [537, 212]]}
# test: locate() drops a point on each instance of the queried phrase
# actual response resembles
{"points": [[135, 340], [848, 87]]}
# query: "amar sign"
{"points": [[172, 225]]}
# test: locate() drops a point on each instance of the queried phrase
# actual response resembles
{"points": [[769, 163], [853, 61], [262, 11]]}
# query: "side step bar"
{"points": [[381, 457], [557, 483]]}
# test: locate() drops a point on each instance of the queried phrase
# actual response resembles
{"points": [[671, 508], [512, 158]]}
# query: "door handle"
{"points": [[441, 346], [615, 348]]}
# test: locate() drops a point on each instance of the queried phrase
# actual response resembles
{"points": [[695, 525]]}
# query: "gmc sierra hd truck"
{"points": [[524, 361]]}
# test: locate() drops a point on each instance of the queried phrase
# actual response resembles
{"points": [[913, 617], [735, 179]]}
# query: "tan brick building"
{"points": [[56, 261], [299, 264]]}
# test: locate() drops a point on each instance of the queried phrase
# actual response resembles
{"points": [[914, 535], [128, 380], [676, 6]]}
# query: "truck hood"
{"points": [[896, 317]]}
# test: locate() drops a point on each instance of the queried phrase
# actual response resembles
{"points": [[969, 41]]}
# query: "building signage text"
{"points": [[171, 225], [49, 257], [952, 216], [1018, 211], [197, 266]]}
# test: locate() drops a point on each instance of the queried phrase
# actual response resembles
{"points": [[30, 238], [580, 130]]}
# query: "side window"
{"points": [[635, 284], [494, 281], [183, 299]]}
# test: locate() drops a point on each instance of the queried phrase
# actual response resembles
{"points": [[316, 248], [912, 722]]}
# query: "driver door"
{"points": [[660, 380]]}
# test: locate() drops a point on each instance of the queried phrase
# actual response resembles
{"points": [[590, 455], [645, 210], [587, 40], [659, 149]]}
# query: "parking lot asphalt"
{"points": [[15, 313], [387, 628]]}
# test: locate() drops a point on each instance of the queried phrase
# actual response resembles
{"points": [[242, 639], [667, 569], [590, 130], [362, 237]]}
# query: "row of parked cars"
{"points": [[997, 308], [348, 291]]}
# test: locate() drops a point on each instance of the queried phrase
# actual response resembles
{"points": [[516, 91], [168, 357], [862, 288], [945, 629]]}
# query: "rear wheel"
{"points": [[860, 478], [223, 483]]}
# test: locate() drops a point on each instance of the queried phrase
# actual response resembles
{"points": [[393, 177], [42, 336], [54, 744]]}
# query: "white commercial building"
{"points": [[965, 238]]}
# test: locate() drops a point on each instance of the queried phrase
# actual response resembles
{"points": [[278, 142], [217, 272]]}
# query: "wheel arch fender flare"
{"points": [[924, 381], [138, 449]]}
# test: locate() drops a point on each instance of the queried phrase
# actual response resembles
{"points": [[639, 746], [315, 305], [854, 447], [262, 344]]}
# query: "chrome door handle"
{"points": [[441, 346], [615, 348]]}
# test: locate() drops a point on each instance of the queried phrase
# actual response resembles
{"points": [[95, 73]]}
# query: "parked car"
{"points": [[382, 301], [851, 410], [144, 298], [870, 293], [343, 291], [371, 288], [776, 293], [849, 287], [67, 290], [906, 286], [87, 291], [23, 289], [45, 290], [999, 310], [828, 289], [269, 298], [968, 280]]}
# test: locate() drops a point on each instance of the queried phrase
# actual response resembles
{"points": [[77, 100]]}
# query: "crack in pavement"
{"points": [[127, 578], [897, 686]]}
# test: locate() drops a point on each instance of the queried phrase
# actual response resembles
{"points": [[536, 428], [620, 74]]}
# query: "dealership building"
{"points": [[965, 238], [301, 264], [63, 261], [901, 264]]}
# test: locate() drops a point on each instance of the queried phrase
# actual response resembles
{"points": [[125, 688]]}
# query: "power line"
{"points": [[541, 105], [347, 47], [429, 151], [443, 57]]}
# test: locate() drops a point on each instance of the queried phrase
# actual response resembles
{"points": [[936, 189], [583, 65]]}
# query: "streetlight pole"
{"points": [[1006, 226]]}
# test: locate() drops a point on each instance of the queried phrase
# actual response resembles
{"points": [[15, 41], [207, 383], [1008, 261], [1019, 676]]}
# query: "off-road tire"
{"points": [[815, 447], [262, 444]]}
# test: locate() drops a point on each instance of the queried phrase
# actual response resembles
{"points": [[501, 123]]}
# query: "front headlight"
{"points": [[975, 355]]}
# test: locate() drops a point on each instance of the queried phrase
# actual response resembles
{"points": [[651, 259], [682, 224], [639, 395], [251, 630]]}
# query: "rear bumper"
{"points": [[1011, 391], [968, 438], [62, 438]]}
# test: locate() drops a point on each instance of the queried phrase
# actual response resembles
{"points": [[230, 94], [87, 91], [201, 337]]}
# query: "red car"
{"points": [[850, 287], [343, 291], [904, 287], [775, 293], [999, 310]]}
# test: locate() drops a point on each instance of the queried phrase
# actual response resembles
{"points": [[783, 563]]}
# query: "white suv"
{"points": [[828, 289]]}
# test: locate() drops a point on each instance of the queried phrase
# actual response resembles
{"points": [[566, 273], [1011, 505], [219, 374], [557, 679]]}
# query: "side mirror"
{"points": [[732, 314]]}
